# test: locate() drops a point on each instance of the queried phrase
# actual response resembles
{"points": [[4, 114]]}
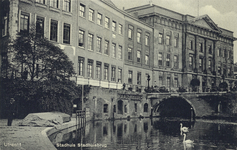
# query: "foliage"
{"points": [[195, 82], [181, 89], [223, 86]]}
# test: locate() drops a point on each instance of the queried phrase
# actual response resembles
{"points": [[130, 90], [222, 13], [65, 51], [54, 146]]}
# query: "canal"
{"points": [[146, 134]]}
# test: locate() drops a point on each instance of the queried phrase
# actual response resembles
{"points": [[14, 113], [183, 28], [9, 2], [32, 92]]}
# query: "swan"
{"points": [[187, 143], [183, 129]]}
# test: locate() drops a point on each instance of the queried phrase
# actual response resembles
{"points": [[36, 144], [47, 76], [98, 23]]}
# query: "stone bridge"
{"points": [[186, 104]]}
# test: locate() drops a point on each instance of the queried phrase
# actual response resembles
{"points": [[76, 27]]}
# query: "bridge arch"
{"points": [[175, 106]]}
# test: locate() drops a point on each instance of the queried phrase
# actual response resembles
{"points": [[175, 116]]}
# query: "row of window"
{"points": [[98, 70], [139, 77], [168, 40], [56, 4], [167, 60], [139, 35], [99, 19], [138, 56], [168, 81]]}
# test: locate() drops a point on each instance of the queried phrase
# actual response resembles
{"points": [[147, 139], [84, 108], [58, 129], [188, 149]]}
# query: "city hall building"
{"points": [[132, 49]]}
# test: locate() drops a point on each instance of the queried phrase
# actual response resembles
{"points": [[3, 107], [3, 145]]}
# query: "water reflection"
{"points": [[147, 134]]}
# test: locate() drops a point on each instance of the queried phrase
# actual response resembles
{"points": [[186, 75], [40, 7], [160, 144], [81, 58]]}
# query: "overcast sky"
{"points": [[222, 12]]}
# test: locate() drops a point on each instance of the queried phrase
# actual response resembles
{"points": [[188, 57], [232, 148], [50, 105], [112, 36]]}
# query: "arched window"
{"points": [[145, 107]]}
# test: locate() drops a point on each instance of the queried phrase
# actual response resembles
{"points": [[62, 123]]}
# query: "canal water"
{"points": [[147, 134]]}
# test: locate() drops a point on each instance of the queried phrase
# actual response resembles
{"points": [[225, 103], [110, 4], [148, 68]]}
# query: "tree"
{"points": [[36, 57], [194, 83]]}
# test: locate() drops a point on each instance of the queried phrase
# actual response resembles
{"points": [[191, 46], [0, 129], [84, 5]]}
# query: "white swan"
{"points": [[187, 143], [183, 129]]}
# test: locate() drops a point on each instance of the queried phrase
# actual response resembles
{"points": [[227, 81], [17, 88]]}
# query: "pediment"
{"points": [[202, 23]]}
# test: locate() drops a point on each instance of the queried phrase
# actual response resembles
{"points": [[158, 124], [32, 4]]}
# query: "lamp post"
{"points": [[148, 79]]}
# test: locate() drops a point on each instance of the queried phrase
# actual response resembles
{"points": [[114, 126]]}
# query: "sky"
{"points": [[222, 12]]}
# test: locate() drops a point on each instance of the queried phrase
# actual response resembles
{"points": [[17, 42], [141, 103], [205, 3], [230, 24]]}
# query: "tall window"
{"points": [[175, 61], [91, 14], [66, 33], [130, 77], [120, 75], [89, 68], [54, 3], [129, 53], [40, 27], [146, 59], [24, 24], [191, 45], [160, 59], [160, 38], [176, 81], [54, 30], [114, 50], [81, 38], [106, 47], [130, 32], [98, 70], [135, 107], [40, 1], [201, 64], [90, 41], [168, 81], [120, 52], [82, 10], [139, 36], [114, 26], [138, 56], [210, 49], [67, 5], [106, 110], [168, 60], [176, 41], [80, 65], [167, 40], [200, 47], [225, 52], [219, 70], [120, 29], [106, 71], [191, 62], [210, 64], [147, 40], [160, 80], [113, 73], [99, 44], [99, 19], [139, 78], [4, 30], [107, 22]]}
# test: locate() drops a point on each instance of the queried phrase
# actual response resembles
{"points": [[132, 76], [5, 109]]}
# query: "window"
{"points": [[66, 33], [145, 108], [89, 68], [81, 38], [160, 59], [99, 19], [139, 36], [226, 54], [114, 108], [167, 40], [191, 62], [98, 70], [105, 108], [91, 14], [139, 77], [113, 50], [210, 64], [106, 71], [130, 32], [218, 52], [106, 47], [80, 66], [120, 29], [160, 38], [130, 77], [120, 75], [67, 5], [120, 52], [54, 30], [210, 49], [90, 41], [54, 3], [200, 47], [160, 80], [107, 22], [201, 64], [219, 70], [40, 1], [82, 10], [4, 30], [129, 53], [168, 81], [168, 60], [135, 109], [176, 41], [138, 56], [176, 81], [99, 44], [146, 59], [113, 72], [191, 45], [40, 27], [176, 61], [147, 40], [114, 26], [24, 24]]}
